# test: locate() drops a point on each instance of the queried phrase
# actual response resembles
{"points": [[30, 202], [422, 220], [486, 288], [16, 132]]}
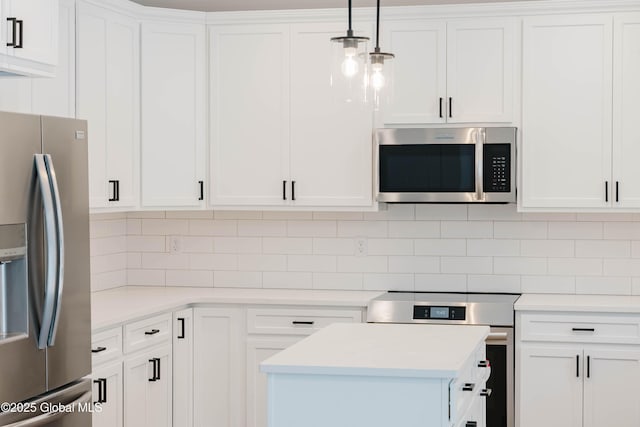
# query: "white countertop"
{"points": [[416, 351], [120, 305], [578, 303]]}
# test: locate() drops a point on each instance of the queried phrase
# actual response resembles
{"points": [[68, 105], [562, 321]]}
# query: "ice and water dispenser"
{"points": [[14, 310]]}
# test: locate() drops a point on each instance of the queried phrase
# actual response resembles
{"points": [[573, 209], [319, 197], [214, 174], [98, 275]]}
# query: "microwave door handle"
{"points": [[57, 208], [479, 142], [43, 185]]}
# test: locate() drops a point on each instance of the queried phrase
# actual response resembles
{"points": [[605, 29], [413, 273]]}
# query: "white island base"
{"points": [[380, 375]]}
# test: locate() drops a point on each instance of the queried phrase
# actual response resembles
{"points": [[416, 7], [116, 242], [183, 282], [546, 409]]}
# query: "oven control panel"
{"points": [[432, 312]]}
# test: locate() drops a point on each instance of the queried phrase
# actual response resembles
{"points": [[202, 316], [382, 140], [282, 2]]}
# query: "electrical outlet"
{"points": [[361, 246], [175, 244]]}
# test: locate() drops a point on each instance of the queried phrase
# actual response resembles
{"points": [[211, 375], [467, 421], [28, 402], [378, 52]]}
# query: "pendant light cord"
{"points": [[350, 30], [377, 27]]}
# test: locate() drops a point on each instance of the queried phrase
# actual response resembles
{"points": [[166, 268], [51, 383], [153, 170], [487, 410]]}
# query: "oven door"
{"points": [[420, 165], [500, 404]]}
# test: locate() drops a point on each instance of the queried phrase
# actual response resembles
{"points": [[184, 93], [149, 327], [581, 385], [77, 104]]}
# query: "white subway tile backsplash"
{"points": [[548, 216], [575, 267], [451, 247], [194, 278], [262, 262], [287, 245], [467, 229], [520, 265], [134, 260], [108, 280], [213, 227], [414, 229], [471, 265], [414, 264], [362, 264], [312, 263], [344, 281], [109, 262], [165, 261], [622, 267], [134, 226], [575, 230], [493, 212], [338, 216], [214, 262], [601, 217], [108, 245], [493, 247], [493, 283], [635, 249], [237, 214], [622, 230], [603, 285], [603, 249], [146, 214], [388, 282], [189, 215], [311, 228], [393, 212], [145, 243], [441, 282], [635, 286], [108, 228], [362, 229], [237, 245], [389, 246], [145, 277], [237, 279], [284, 215], [287, 280], [520, 230], [548, 284], [334, 246], [429, 212], [195, 244], [164, 227], [262, 228], [547, 248]]}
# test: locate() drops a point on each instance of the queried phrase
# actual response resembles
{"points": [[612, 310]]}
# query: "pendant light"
{"points": [[348, 70], [377, 79]]}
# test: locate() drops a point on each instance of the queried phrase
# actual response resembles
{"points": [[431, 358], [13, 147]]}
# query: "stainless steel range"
{"points": [[494, 310]]}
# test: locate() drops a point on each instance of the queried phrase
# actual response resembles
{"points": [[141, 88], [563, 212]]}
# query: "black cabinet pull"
{"points": [[468, 387], [201, 184], [152, 332], [99, 382], [606, 191], [577, 365], [115, 190], [158, 365], [104, 394], [483, 364], [471, 424], [617, 192], [12, 43], [440, 107], [181, 334], [450, 107], [20, 33], [583, 329], [153, 367], [486, 392], [293, 190], [303, 322], [588, 366], [98, 350], [284, 190]]}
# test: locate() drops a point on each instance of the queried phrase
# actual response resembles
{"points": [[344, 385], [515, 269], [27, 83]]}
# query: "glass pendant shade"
{"points": [[377, 81], [348, 68]]}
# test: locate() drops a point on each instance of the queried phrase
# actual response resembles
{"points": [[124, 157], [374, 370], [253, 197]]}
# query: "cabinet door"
{"points": [[219, 364], [249, 67], [567, 111], [148, 400], [417, 93], [108, 98], [110, 413], [331, 148], [39, 30], [480, 64], [183, 368], [173, 114], [611, 381], [259, 349], [626, 110], [550, 390]]}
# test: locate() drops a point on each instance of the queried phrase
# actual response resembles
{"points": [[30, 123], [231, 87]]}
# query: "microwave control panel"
{"points": [[497, 168], [430, 312]]}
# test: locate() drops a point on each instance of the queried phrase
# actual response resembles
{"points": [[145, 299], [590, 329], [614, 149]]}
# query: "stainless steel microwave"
{"points": [[453, 165]]}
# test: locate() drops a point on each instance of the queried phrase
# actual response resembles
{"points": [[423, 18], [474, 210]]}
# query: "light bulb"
{"points": [[349, 65], [377, 79]]}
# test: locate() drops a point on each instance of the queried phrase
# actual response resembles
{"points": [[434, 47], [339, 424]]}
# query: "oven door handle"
{"points": [[497, 336]]}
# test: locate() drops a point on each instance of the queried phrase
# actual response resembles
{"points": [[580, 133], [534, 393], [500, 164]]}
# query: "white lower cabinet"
{"points": [[107, 393], [183, 368], [580, 376]]}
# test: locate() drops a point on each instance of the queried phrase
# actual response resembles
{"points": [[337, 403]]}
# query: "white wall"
{"points": [[409, 247]]}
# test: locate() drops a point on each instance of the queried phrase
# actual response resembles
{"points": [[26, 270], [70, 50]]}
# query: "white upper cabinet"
{"points": [[108, 82], [567, 112], [249, 106], [331, 162], [626, 111], [461, 71], [173, 114], [29, 37]]}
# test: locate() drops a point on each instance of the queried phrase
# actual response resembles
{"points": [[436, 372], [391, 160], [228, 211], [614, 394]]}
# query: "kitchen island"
{"points": [[380, 375]]}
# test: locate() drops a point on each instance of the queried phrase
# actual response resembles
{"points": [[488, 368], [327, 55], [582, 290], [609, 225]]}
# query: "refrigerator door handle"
{"points": [[47, 418], [50, 231], [59, 246]]}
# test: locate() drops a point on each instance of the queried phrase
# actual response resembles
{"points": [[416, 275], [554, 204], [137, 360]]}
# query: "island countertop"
{"points": [[400, 350]]}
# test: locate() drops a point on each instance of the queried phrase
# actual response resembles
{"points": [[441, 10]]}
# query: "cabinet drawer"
{"points": [[106, 345], [589, 328], [147, 332], [296, 321], [468, 385]]}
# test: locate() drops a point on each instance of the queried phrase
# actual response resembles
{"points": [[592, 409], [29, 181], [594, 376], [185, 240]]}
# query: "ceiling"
{"points": [[226, 5]]}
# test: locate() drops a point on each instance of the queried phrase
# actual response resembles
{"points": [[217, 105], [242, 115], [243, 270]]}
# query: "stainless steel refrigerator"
{"points": [[45, 318]]}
